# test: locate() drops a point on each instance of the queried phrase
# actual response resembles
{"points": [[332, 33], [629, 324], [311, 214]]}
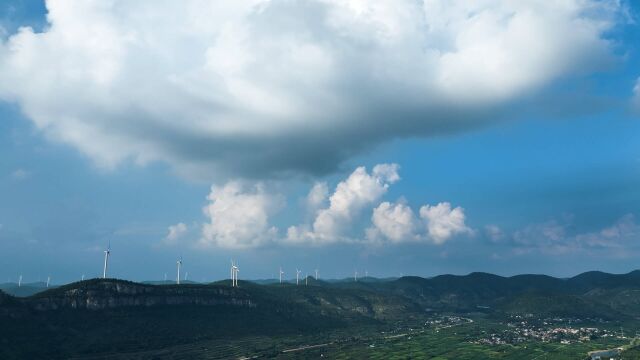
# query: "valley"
{"points": [[463, 317]]}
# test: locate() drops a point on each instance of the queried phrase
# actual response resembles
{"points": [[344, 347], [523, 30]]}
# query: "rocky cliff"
{"points": [[110, 293]]}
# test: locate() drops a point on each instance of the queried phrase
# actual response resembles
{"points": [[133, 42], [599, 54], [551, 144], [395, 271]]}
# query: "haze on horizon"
{"points": [[395, 138]]}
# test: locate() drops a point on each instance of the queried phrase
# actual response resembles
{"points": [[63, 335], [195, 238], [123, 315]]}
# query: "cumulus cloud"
{"points": [[256, 88], [176, 232], [317, 196], [238, 216], [397, 223], [443, 222], [360, 189]]}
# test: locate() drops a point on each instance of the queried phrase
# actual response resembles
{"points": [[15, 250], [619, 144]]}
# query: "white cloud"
{"points": [[550, 236], [494, 233], [255, 88], [317, 196], [555, 238], [360, 189], [624, 230], [238, 216], [176, 232], [444, 222], [395, 222]]}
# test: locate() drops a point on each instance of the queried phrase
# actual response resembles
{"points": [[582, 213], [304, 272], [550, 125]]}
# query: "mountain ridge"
{"points": [[173, 314], [445, 292]]}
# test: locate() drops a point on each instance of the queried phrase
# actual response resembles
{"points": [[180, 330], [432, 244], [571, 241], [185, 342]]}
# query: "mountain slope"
{"points": [[156, 316]]}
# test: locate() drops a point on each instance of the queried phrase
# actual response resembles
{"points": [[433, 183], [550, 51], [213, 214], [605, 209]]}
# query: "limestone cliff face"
{"points": [[103, 294]]}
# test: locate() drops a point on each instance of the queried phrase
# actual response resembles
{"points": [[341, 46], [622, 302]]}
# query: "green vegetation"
{"points": [[454, 343], [479, 316]]}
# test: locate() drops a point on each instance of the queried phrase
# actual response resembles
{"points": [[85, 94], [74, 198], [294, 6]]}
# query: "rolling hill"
{"points": [[143, 315], [23, 290]]}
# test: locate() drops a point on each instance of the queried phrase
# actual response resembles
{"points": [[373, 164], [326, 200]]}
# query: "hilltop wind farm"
{"points": [[474, 316], [304, 179]]}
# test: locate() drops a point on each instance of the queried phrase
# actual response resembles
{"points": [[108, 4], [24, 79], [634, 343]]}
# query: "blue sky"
{"points": [[542, 156]]}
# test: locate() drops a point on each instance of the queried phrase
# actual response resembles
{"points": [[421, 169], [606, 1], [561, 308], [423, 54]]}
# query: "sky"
{"points": [[405, 138]]}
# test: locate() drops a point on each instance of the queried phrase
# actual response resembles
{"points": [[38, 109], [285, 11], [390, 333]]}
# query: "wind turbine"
{"points": [[165, 276], [237, 269], [107, 253], [234, 273], [179, 263], [355, 275], [20, 281], [231, 272], [316, 274], [298, 276], [186, 276], [281, 273], [82, 278], [48, 280]]}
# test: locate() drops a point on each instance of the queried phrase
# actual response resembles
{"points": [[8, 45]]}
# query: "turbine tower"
{"points": [[107, 253], [179, 263], [237, 271], [306, 279], [20, 281], [316, 274], [355, 275], [298, 276], [82, 278], [48, 280], [281, 273]]}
